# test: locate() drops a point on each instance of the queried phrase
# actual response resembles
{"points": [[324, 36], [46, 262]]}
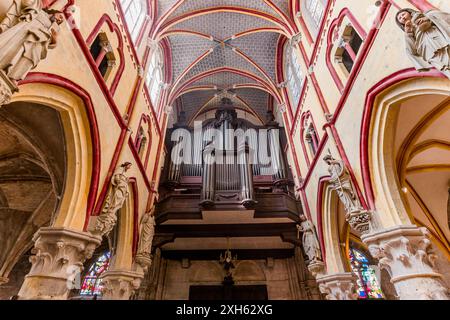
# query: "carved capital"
{"points": [[120, 284], [7, 89], [406, 253], [339, 286], [58, 258]]}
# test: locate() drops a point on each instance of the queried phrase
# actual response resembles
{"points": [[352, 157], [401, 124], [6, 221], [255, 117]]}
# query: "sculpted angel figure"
{"points": [[26, 35], [310, 242], [117, 196], [427, 37]]}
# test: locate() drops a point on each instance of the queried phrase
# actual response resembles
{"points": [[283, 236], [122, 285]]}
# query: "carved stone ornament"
{"points": [[7, 89], [120, 284], [117, 195], [143, 256], [339, 286], [406, 253], [27, 33], [341, 182], [58, 259]]}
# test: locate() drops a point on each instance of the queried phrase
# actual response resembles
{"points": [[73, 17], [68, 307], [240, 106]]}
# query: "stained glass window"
{"points": [[316, 10], [135, 13], [154, 77], [368, 286], [294, 75], [92, 284]]}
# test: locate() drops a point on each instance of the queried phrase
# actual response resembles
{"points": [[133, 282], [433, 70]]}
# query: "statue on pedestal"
{"points": [[26, 35], [143, 256], [310, 241], [358, 218], [117, 196], [427, 37]]}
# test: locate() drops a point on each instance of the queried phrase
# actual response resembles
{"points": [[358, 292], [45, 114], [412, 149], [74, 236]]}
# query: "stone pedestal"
{"points": [[58, 258], [7, 88], [317, 268], [339, 286], [405, 252], [120, 284]]}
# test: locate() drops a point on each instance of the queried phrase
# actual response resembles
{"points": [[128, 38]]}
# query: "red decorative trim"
{"points": [[139, 162], [105, 19], [98, 76], [135, 192], [322, 182], [422, 5], [56, 80], [372, 94]]}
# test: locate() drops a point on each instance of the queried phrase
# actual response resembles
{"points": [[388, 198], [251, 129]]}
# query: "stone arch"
{"points": [[82, 143], [54, 158], [206, 272], [126, 242], [385, 190], [333, 229], [249, 271]]}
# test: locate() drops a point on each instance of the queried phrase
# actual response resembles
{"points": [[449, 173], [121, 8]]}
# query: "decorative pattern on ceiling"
{"points": [[223, 45]]}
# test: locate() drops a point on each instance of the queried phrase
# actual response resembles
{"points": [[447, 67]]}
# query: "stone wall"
{"points": [[179, 278]]}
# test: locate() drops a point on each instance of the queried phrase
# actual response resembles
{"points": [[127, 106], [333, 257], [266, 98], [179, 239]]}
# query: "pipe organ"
{"points": [[225, 154]]}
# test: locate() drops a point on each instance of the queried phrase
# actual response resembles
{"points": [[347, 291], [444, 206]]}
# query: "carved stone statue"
{"points": [[358, 218], [340, 180], [427, 37], [26, 35], [117, 196], [310, 241], [143, 256]]}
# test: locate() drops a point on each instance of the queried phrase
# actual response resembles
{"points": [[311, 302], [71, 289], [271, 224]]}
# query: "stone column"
{"points": [[340, 286], [59, 257], [7, 88], [120, 284], [405, 252]]}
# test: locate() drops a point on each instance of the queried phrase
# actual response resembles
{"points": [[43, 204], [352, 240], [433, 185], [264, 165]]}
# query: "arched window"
{"points": [[294, 76], [368, 285], [315, 10], [92, 284], [312, 139], [155, 77], [135, 12]]}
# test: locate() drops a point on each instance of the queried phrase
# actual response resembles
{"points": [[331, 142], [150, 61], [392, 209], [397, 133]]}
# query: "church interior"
{"points": [[224, 150]]}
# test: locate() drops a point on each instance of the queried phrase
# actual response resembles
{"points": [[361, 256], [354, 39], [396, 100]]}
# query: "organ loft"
{"points": [[224, 150]]}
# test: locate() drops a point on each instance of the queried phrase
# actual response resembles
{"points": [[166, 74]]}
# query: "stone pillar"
{"points": [[120, 284], [405, 252], [340, 286], [7, 88], [59, 257]]}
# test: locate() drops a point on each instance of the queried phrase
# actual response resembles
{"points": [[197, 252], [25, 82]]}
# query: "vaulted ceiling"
{"points": [[223, 48]]}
